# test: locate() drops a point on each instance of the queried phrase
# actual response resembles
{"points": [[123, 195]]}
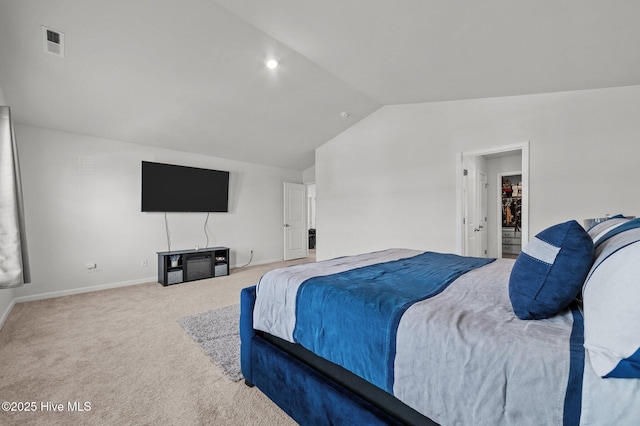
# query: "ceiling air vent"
{"points": [[53, 41]]}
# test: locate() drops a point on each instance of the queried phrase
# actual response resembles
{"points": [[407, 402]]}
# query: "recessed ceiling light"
{"points": [[272, 64]]}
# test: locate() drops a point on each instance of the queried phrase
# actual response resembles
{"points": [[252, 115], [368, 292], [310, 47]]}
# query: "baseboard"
{"points": [[6, 313], [61, 293], [262, 262]]}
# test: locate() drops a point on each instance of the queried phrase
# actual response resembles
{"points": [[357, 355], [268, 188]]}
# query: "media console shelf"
{"points": [[191, 265]]}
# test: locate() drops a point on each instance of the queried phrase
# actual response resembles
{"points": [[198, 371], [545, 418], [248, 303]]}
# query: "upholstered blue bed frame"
{"points": [[304, 393]]}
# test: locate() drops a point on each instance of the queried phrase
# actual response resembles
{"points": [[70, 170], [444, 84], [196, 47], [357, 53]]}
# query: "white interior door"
{"points": [[475, 209], [483, 191], [295, 229], [470, 206]]}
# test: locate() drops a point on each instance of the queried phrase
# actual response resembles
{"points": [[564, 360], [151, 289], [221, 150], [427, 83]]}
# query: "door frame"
{"points": [[523, 147]]}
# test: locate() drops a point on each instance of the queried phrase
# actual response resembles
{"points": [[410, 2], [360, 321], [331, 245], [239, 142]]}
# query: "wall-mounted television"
{"points": [[173, 188]]}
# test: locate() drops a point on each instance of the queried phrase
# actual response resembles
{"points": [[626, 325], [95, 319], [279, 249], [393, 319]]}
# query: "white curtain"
{"points": [[14, 261]]}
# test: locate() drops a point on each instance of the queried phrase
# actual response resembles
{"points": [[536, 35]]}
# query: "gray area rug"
{"points": [[217, 333]]}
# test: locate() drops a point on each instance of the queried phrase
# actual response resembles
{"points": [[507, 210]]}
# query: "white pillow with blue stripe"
{"points": [[611, 301], [550, 270], [598, 230]]}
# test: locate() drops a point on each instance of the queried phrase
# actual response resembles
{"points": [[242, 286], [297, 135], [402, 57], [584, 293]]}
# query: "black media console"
{"points": [[180, 266]]}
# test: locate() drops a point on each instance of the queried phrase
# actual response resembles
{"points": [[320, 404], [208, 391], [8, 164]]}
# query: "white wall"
{"points": [[389, 181], [82, 204], [6, 295], [309, 175]]}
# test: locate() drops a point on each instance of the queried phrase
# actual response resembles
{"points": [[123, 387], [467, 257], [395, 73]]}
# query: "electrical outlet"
{"points": [[92, 267], [144, 263]]}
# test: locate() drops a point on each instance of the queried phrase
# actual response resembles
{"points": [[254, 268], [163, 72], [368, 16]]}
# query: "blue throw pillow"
{"points": [[550, 271]]}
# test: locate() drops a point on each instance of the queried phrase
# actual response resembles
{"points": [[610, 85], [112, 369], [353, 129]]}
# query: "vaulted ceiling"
{"points": [[190, 75]]}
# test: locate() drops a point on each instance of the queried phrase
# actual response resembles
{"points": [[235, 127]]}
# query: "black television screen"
{"points": [[172, 188]]}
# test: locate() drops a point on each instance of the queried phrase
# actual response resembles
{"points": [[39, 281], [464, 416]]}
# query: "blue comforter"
{"points": [[351, 318]]}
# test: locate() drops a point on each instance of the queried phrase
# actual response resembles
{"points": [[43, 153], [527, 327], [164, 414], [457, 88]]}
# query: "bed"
{"points": [[403, 336]]}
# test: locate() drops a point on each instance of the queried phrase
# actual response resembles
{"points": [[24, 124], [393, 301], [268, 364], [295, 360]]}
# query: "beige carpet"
{"points": [[123, 352]]}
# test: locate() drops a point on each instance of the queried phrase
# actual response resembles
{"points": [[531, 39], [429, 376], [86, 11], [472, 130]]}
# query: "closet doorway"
{"points": [[494, 163], [510, 200]]}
